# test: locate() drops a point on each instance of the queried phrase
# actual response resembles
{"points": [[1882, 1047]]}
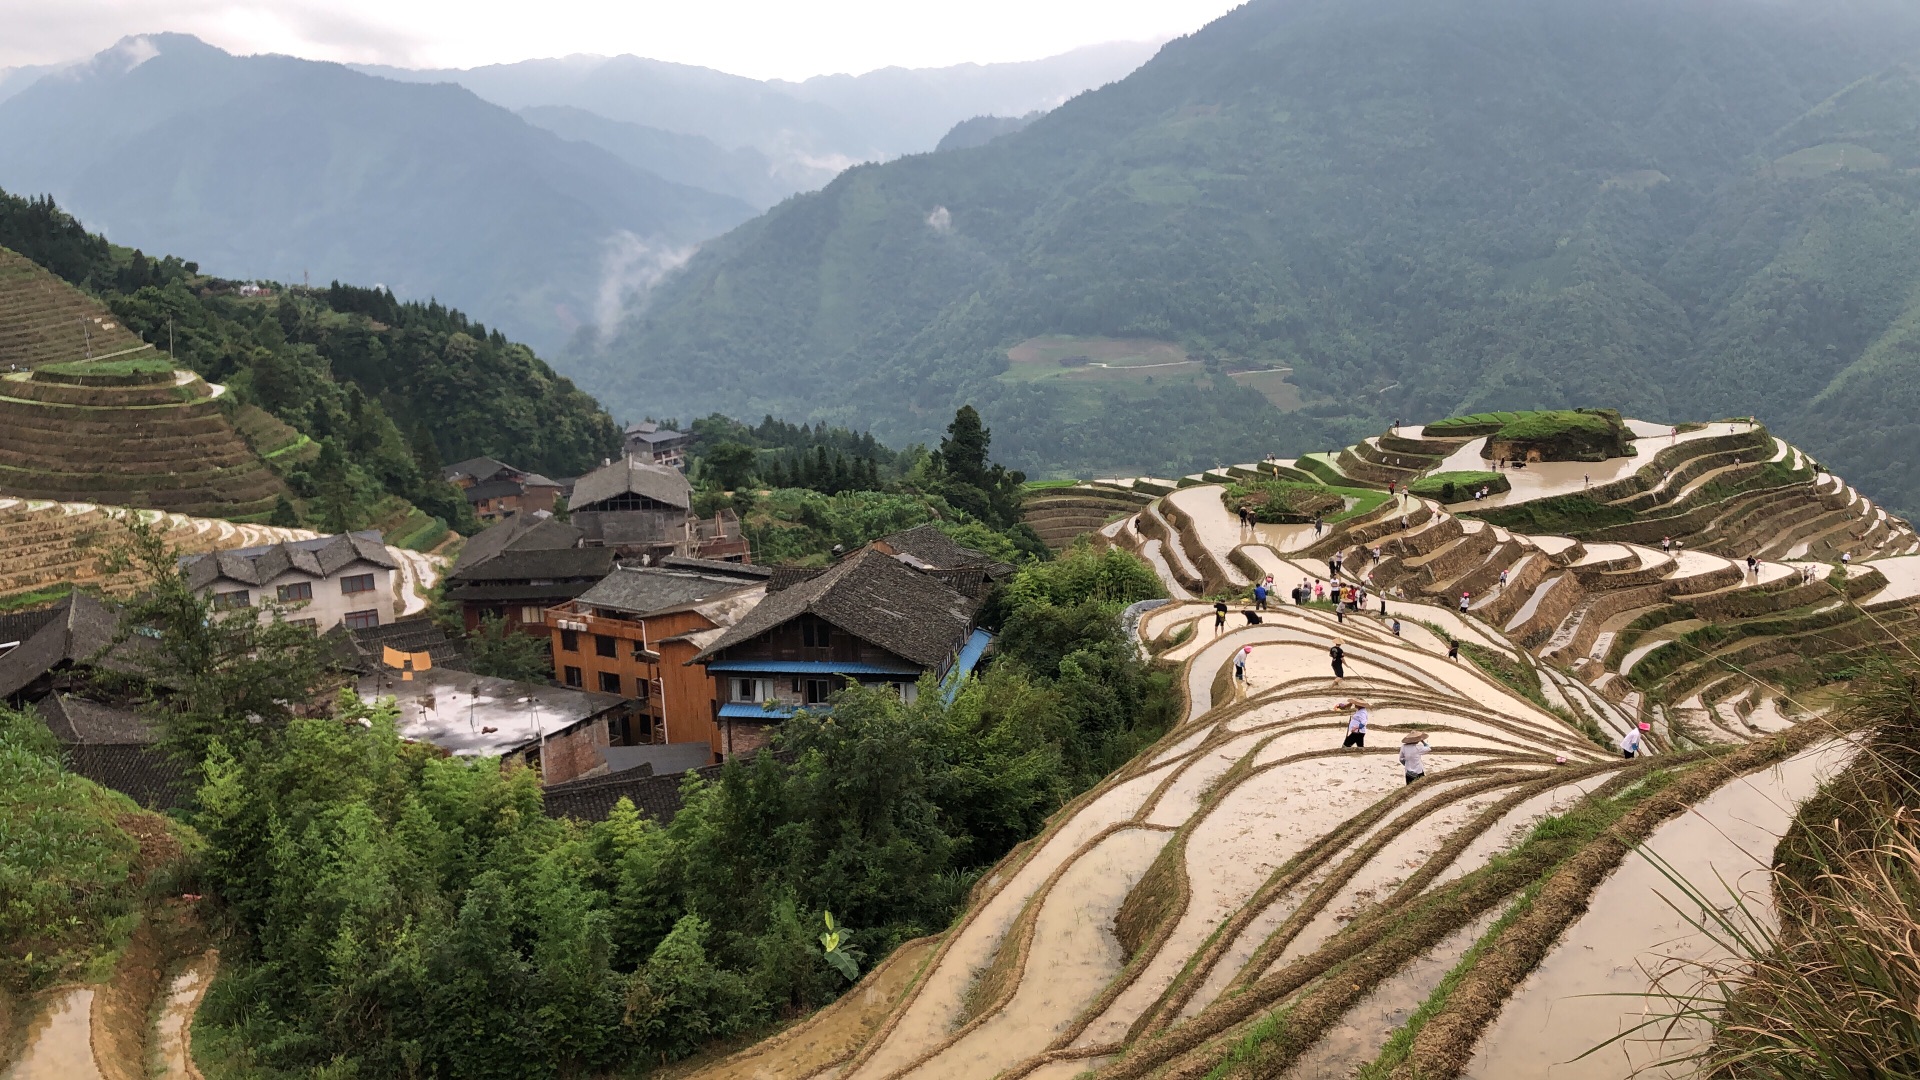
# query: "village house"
{"points": [[496, 490], [645, 512], [562, 732], [651, 443], [518, 568], [872, 618], [47, 661], [635, 633], [345, 580]]}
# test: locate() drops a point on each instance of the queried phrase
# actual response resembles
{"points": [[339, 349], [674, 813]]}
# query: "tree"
{"points": [[729, 464], [235, 676], [963, 453], [498, 650]]}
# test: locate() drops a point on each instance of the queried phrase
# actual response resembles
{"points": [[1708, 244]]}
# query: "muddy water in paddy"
{"points": [[1358, 1036], [937, 1010], [1630, 935], [171, 1032], [1073, 956], [59, 1043]]}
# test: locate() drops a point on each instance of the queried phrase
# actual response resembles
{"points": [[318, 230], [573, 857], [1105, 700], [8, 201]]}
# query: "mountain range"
{"points": [[1312, 216], [428, 183]]}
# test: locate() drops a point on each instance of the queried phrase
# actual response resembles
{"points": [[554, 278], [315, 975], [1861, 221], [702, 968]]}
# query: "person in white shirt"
{"points": [[1357, 725], [1630, 744], [1413, 753]]}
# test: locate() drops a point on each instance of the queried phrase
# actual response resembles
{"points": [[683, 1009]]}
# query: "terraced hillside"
{"points": [[1249, 898], [155, 438], [44, 320]]}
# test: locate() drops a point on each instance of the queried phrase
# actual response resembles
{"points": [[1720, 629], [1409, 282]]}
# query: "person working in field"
{"points": [[1356, 724]]}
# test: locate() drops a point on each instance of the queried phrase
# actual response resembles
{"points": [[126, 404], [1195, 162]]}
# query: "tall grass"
{"points": [[1832, 989]]}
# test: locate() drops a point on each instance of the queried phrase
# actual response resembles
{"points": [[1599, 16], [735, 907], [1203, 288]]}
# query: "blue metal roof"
{"points": [[970, 654], [808, 667], [747, 710]]}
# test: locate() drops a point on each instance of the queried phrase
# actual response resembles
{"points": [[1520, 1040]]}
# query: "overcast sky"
{"points": [[788, 39]]}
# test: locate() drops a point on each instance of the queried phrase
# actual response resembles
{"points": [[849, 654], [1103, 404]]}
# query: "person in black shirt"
{"points": [[1338, 654], [1219, 615]]}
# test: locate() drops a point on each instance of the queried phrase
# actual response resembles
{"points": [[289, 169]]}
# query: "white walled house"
{"points": [[321, 583]]}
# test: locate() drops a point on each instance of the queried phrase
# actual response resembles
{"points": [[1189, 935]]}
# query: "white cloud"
{"points": [[759, 38], [941, 220], [629, 270]]}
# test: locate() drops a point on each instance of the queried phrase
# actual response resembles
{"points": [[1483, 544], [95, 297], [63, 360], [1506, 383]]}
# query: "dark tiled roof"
{"points": [[493, 489], [639, 590], [929, 548], [657, 797], [480, 468], [538, 564], [786, 577], [320, 558], [631, 477], [144, 774], [360, 650], [749, 571], [75, 630], [547, 595], [874, 597], [521, 532], [76, 721]]}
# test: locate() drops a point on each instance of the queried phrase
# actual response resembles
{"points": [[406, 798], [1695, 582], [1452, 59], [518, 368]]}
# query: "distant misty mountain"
{"points": [[982, 130], [744, 173], [275, 167], [808, 131]]}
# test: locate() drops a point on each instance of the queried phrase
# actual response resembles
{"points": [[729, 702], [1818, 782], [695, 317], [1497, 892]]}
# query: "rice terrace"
{"points": [[1485, 886]]}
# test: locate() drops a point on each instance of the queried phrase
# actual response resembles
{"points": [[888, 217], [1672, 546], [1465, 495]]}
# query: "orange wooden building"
{"points": [[634, 633]]}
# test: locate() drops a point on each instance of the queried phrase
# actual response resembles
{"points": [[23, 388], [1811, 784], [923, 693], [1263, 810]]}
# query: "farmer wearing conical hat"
{"points": [[1413, 753], [1357, 725]]}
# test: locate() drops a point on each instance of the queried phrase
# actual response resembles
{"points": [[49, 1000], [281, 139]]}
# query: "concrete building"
{"points": [[565, 733], [345, 580], [657, 445]]}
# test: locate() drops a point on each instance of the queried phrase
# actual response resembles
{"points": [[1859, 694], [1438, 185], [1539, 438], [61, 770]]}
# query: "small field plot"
{"points": [[1273, 385], [1096, 359]]}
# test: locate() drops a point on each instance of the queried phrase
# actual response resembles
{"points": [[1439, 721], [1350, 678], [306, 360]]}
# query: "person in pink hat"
{"points": [[1240, 664], [1630, 745]]}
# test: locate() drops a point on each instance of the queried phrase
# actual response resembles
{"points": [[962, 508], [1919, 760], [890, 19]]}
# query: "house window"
{"points": [[609, 682], [237, 599], [573, 677], [358, 583], [296, 590], [642, 688], [570, 640], [605, 646], [818, 691], [533, 615], [816, 634], [362, 620], [752, 691], [305, 624], [909, 692]]}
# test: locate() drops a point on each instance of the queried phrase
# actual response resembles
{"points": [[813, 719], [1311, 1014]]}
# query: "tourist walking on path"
{"points": [[1357, 725], [1240, 666], [1219, 615], [1630, 743], [1465, 598], [1319, 590], [1413, 754], [1338, 654], [1753, 566]]}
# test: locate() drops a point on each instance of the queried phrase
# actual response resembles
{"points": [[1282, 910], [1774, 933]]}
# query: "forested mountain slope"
{"points": [[274, 167], [1424, 207], [354, 397]]}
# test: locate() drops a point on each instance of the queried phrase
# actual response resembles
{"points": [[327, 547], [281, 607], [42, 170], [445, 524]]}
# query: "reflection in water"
{"points": [[59, 1046], [176, 1015]]}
